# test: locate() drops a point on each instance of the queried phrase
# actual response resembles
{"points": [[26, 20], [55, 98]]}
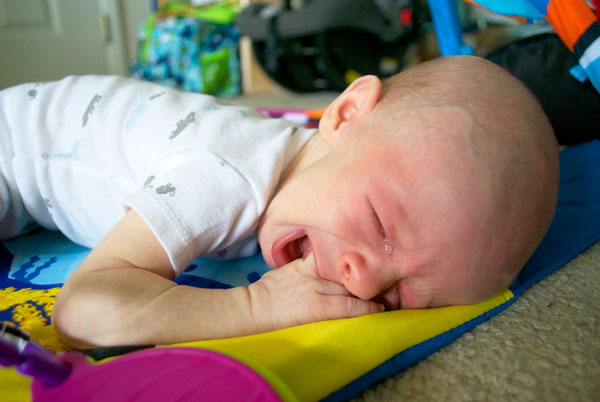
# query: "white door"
{"points": [[44, 40]]}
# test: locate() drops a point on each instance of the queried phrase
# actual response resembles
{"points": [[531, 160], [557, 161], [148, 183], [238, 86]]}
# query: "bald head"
{"points": [[496, 139]]}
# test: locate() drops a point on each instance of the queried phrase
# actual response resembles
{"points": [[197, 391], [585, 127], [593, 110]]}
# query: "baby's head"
{"points": [[431, 189]]}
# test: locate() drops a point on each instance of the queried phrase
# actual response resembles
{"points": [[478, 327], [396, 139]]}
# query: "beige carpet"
{"points": [[544, 347]]}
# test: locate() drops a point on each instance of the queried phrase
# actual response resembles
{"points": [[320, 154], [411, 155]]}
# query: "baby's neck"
{"points": [[314, 149]]}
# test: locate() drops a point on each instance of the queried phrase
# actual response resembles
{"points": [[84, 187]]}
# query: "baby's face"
{"points": [[390, 220]]}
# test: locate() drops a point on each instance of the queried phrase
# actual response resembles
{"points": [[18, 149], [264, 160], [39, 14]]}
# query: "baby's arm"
{"points": [[122, 295]]}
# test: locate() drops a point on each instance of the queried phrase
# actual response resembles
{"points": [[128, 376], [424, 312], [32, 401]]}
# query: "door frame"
{"points": [[115, 50]]}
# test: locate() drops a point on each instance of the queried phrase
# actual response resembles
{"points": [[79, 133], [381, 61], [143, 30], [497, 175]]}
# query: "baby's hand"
{"points": [[294, 295]]}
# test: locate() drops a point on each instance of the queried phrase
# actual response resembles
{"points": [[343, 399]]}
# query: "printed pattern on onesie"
{"points": [[199, 172]]}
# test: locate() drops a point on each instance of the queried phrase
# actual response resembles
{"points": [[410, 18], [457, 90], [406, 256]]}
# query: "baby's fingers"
{"points": [[329, 288], [348, 306], [306, 265]]}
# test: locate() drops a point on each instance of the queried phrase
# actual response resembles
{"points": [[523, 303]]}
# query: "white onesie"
{"points": [[76, 153]]}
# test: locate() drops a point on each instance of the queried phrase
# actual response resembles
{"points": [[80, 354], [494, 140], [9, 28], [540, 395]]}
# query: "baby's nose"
{"points": [[361, 277]]}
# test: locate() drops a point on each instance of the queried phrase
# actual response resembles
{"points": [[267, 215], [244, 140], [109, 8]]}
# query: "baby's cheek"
{"points": [[414, 294]]}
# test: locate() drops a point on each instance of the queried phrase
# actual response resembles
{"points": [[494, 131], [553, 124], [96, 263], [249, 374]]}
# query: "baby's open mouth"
{"points": [[290, 247]]}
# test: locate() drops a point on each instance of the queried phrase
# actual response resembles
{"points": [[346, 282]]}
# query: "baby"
{"points": [[432, 188]]}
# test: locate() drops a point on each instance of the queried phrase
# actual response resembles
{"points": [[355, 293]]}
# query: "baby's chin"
{"points": [[485, 291]]}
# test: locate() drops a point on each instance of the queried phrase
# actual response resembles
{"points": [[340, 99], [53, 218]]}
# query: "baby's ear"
{"points": [[356, 102]]}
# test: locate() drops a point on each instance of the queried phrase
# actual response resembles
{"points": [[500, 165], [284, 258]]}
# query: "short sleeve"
{"points": [[195, 203]]}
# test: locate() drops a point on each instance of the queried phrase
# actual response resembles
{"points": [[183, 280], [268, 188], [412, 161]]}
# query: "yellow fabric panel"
{"points": [[30, 309], [30, 304], [307, 362], [14, 387], [317, 359]]}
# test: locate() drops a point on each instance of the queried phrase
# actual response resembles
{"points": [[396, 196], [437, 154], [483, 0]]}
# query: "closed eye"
{"points": [[377, 223]]}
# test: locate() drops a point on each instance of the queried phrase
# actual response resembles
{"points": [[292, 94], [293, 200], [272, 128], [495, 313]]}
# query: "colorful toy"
{"points": [[29, 357], [164, 374], [573, 21], [308, 118], [189, 48]]}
